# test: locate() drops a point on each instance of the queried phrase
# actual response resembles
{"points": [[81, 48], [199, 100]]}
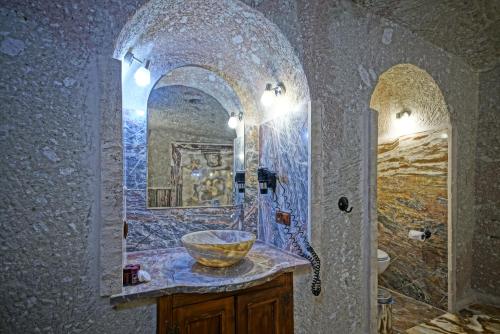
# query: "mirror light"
{"points": [[267, 96], [143, 76], [405, 124], [234, 120], [270, 93]]}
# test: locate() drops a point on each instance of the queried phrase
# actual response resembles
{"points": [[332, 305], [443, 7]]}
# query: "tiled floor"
{"points": [[408, 312], [480, 319]]}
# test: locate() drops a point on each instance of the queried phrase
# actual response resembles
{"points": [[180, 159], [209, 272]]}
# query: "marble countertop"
{"points": [[173, 271]]}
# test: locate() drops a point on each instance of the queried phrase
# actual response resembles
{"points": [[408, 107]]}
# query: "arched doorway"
{"points": [[414, 185]]}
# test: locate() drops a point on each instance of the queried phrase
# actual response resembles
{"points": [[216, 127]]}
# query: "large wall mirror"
{"points": [[195, 144]]}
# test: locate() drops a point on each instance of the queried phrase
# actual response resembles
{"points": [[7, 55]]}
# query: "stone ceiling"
{"points": [[407, 87], [224, 36], [467, 28]]}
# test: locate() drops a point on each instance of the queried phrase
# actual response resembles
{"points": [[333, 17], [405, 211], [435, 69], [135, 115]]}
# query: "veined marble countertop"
{"points": [[173, 271]]}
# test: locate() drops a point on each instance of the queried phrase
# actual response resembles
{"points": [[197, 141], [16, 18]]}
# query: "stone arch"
{"points": [[406, 87], [227, 37]]}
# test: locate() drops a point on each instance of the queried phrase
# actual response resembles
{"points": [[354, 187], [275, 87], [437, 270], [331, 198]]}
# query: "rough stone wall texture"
{"points": [[50, 53], [343, 51], [486, 275], [54, 58], [206, 81], [469, 29], [407, 87]]}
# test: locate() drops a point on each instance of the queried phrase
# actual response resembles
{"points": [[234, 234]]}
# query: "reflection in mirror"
{"points": [[192, 152]]}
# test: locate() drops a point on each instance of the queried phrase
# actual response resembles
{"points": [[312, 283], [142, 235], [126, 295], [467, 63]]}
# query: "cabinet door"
{"points": [[268, 311], [211, 317]]}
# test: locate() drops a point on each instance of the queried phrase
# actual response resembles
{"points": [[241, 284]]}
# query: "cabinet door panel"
{"points": [[212, 317], [265, 311]]}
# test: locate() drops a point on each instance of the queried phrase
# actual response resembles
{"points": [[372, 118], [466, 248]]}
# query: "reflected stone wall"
{"points": [[181, 114]]}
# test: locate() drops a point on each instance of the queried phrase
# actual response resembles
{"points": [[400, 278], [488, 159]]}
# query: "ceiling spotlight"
{"points": [[142, 76], [234, 120], [271, 92]]}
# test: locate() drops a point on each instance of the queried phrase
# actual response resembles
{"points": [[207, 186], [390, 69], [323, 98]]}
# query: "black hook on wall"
{"points": [[344, 204]]}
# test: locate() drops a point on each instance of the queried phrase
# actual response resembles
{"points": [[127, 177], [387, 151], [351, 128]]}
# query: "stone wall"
{"points": [[486, 256], [57, 62], [53, 56], [343, 51]]}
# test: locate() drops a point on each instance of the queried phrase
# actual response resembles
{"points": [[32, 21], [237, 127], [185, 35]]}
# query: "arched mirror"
{"points": [[195, 144]]}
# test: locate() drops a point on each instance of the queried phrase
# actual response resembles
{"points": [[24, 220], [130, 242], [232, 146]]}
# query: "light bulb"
{"points": [[233, 121], [267, 98], [143, 76]]}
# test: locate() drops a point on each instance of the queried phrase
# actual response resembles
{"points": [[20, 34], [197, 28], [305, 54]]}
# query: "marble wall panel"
{"points": [[163, 228], [283, 148], [412, 195], [160, 228]]}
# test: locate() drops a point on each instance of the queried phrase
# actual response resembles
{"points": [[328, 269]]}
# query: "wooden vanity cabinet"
{"points": [[264, 309]]}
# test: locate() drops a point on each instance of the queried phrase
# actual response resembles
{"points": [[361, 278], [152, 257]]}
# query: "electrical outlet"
{"points": [[283, 217], [283, 179]]}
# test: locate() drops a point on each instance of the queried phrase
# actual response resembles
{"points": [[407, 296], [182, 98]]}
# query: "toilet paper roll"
{"points": [[416, 235]]}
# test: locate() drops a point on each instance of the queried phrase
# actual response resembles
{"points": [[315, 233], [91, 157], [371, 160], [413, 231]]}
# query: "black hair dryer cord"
{"points": [[311, 256], [310, 253], [316, 265]]}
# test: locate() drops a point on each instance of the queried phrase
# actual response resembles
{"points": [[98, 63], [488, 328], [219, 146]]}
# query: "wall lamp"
{"points": [[271, 92], [403, 112], [234, 120], [142, 76]]}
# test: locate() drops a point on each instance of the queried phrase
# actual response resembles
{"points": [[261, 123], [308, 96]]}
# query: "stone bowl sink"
{"points": [[218, 248]]}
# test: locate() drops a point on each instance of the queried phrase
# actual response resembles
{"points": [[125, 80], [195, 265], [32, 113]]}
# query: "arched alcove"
{"points": [[241, 48], [413, 183]]}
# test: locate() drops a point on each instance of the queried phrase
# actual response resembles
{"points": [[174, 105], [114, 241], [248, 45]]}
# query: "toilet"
{"points": [[383, 261]]}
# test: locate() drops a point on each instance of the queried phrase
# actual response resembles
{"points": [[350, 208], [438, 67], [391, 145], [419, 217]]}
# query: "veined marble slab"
{"points": [[481, 319], [412, 195], [173, 270]]}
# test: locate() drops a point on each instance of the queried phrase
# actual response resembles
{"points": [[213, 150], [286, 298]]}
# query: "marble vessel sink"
{"points": [[218, 248]]}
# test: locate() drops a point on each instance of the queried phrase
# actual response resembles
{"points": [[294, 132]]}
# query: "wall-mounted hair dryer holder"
{"points": [[267, 180]]}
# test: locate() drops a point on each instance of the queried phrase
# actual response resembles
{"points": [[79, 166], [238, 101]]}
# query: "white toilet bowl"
{"points": [[383, 261]]}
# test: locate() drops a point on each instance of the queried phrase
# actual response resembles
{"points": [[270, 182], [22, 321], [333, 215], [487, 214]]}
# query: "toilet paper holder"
{"points": [[420, 235]]}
